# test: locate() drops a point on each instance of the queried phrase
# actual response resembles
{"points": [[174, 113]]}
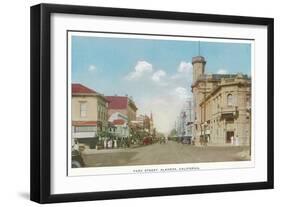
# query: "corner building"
{"points": [[222, 107]]}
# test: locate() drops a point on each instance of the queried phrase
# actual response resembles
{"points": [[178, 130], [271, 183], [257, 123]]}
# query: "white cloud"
{"points": [[165, 107], [184, 70], [185, 67], [165, 103], [222, 71], [92, 68], [182, 93], [141, 68], [158, 75]]}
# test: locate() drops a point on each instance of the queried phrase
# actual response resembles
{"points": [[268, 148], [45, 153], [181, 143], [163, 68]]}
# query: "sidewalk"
{"points": [[220, 145], [100, 151], [88, 151]]}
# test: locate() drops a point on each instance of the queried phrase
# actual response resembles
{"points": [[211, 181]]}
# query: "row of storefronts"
{"points": [[98, 119]]}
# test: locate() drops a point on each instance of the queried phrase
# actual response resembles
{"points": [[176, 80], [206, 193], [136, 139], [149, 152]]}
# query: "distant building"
{"points": [[122, 104], [221, 105], [142, 128], [119, 125], [89, 112], [184, 124], [188, 108], [117, 115], [121, 128], [145, 122], [152, 129]]}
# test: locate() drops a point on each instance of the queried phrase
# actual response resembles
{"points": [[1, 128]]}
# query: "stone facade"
{"points": [[222, 106]]}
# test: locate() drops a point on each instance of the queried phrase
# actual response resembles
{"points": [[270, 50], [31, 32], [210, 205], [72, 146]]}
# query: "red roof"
{"points": [[118, 122], [79, 88], [117, 102], [84, 123]]}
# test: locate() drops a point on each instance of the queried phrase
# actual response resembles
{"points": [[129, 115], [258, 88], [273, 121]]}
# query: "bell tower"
{"points": [[198, 63]]}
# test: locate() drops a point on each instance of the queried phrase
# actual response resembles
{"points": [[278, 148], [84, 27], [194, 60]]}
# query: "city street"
{"points": [[169, 153]]}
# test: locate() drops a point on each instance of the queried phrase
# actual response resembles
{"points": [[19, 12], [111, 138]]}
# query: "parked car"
{"points": [[147, 141], [77, 160], [186, 140]]}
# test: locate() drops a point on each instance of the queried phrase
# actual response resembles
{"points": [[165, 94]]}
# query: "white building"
{"points": [[118, 115], [185, 120], [119, 124], [121, 128]]}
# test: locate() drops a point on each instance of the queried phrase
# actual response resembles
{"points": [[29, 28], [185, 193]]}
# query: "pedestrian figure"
{"points": [[193, 140], [205, 140], [115, 143], [236, 140], [104, 143], [75, 145], [109, 144], [232, 140]]}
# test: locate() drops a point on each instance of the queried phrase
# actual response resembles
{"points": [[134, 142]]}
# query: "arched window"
{"points": [[229, 100]]}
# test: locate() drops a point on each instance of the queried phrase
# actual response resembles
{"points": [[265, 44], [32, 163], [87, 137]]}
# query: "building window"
{"points": [[229, 100], [83, 109]]}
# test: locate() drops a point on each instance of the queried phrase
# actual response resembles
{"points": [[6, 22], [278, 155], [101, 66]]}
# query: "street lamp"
{"points": [[205, 125]]}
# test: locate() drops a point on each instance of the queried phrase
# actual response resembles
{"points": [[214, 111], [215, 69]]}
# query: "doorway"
{"points": [[229, 134]]}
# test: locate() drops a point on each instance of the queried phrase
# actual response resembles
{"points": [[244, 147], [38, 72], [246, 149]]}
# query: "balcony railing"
{"points": [[229, 110], [84, 134]]}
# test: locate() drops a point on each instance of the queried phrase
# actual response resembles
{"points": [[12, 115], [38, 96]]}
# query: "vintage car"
{"points": [[147, 141], [186, 140], [77, 160]]}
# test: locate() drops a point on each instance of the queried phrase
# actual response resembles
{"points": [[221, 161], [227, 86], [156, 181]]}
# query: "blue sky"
{"points": [[156, 73]]}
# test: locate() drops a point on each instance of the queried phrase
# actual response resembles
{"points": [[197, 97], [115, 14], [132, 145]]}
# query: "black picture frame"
{"points": [[41, 102]]}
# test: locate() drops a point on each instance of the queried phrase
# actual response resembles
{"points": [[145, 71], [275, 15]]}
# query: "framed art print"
{"points": [[132, 103]]}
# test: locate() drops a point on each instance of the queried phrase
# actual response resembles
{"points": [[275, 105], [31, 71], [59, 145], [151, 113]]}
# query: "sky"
{"points": [[157, 74]]}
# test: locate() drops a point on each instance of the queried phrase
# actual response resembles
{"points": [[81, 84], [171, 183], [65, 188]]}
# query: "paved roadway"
{"points": [[169, 153]]}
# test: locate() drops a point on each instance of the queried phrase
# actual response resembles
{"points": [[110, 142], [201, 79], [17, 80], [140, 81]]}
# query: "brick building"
{"points": [[123, 105]]}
